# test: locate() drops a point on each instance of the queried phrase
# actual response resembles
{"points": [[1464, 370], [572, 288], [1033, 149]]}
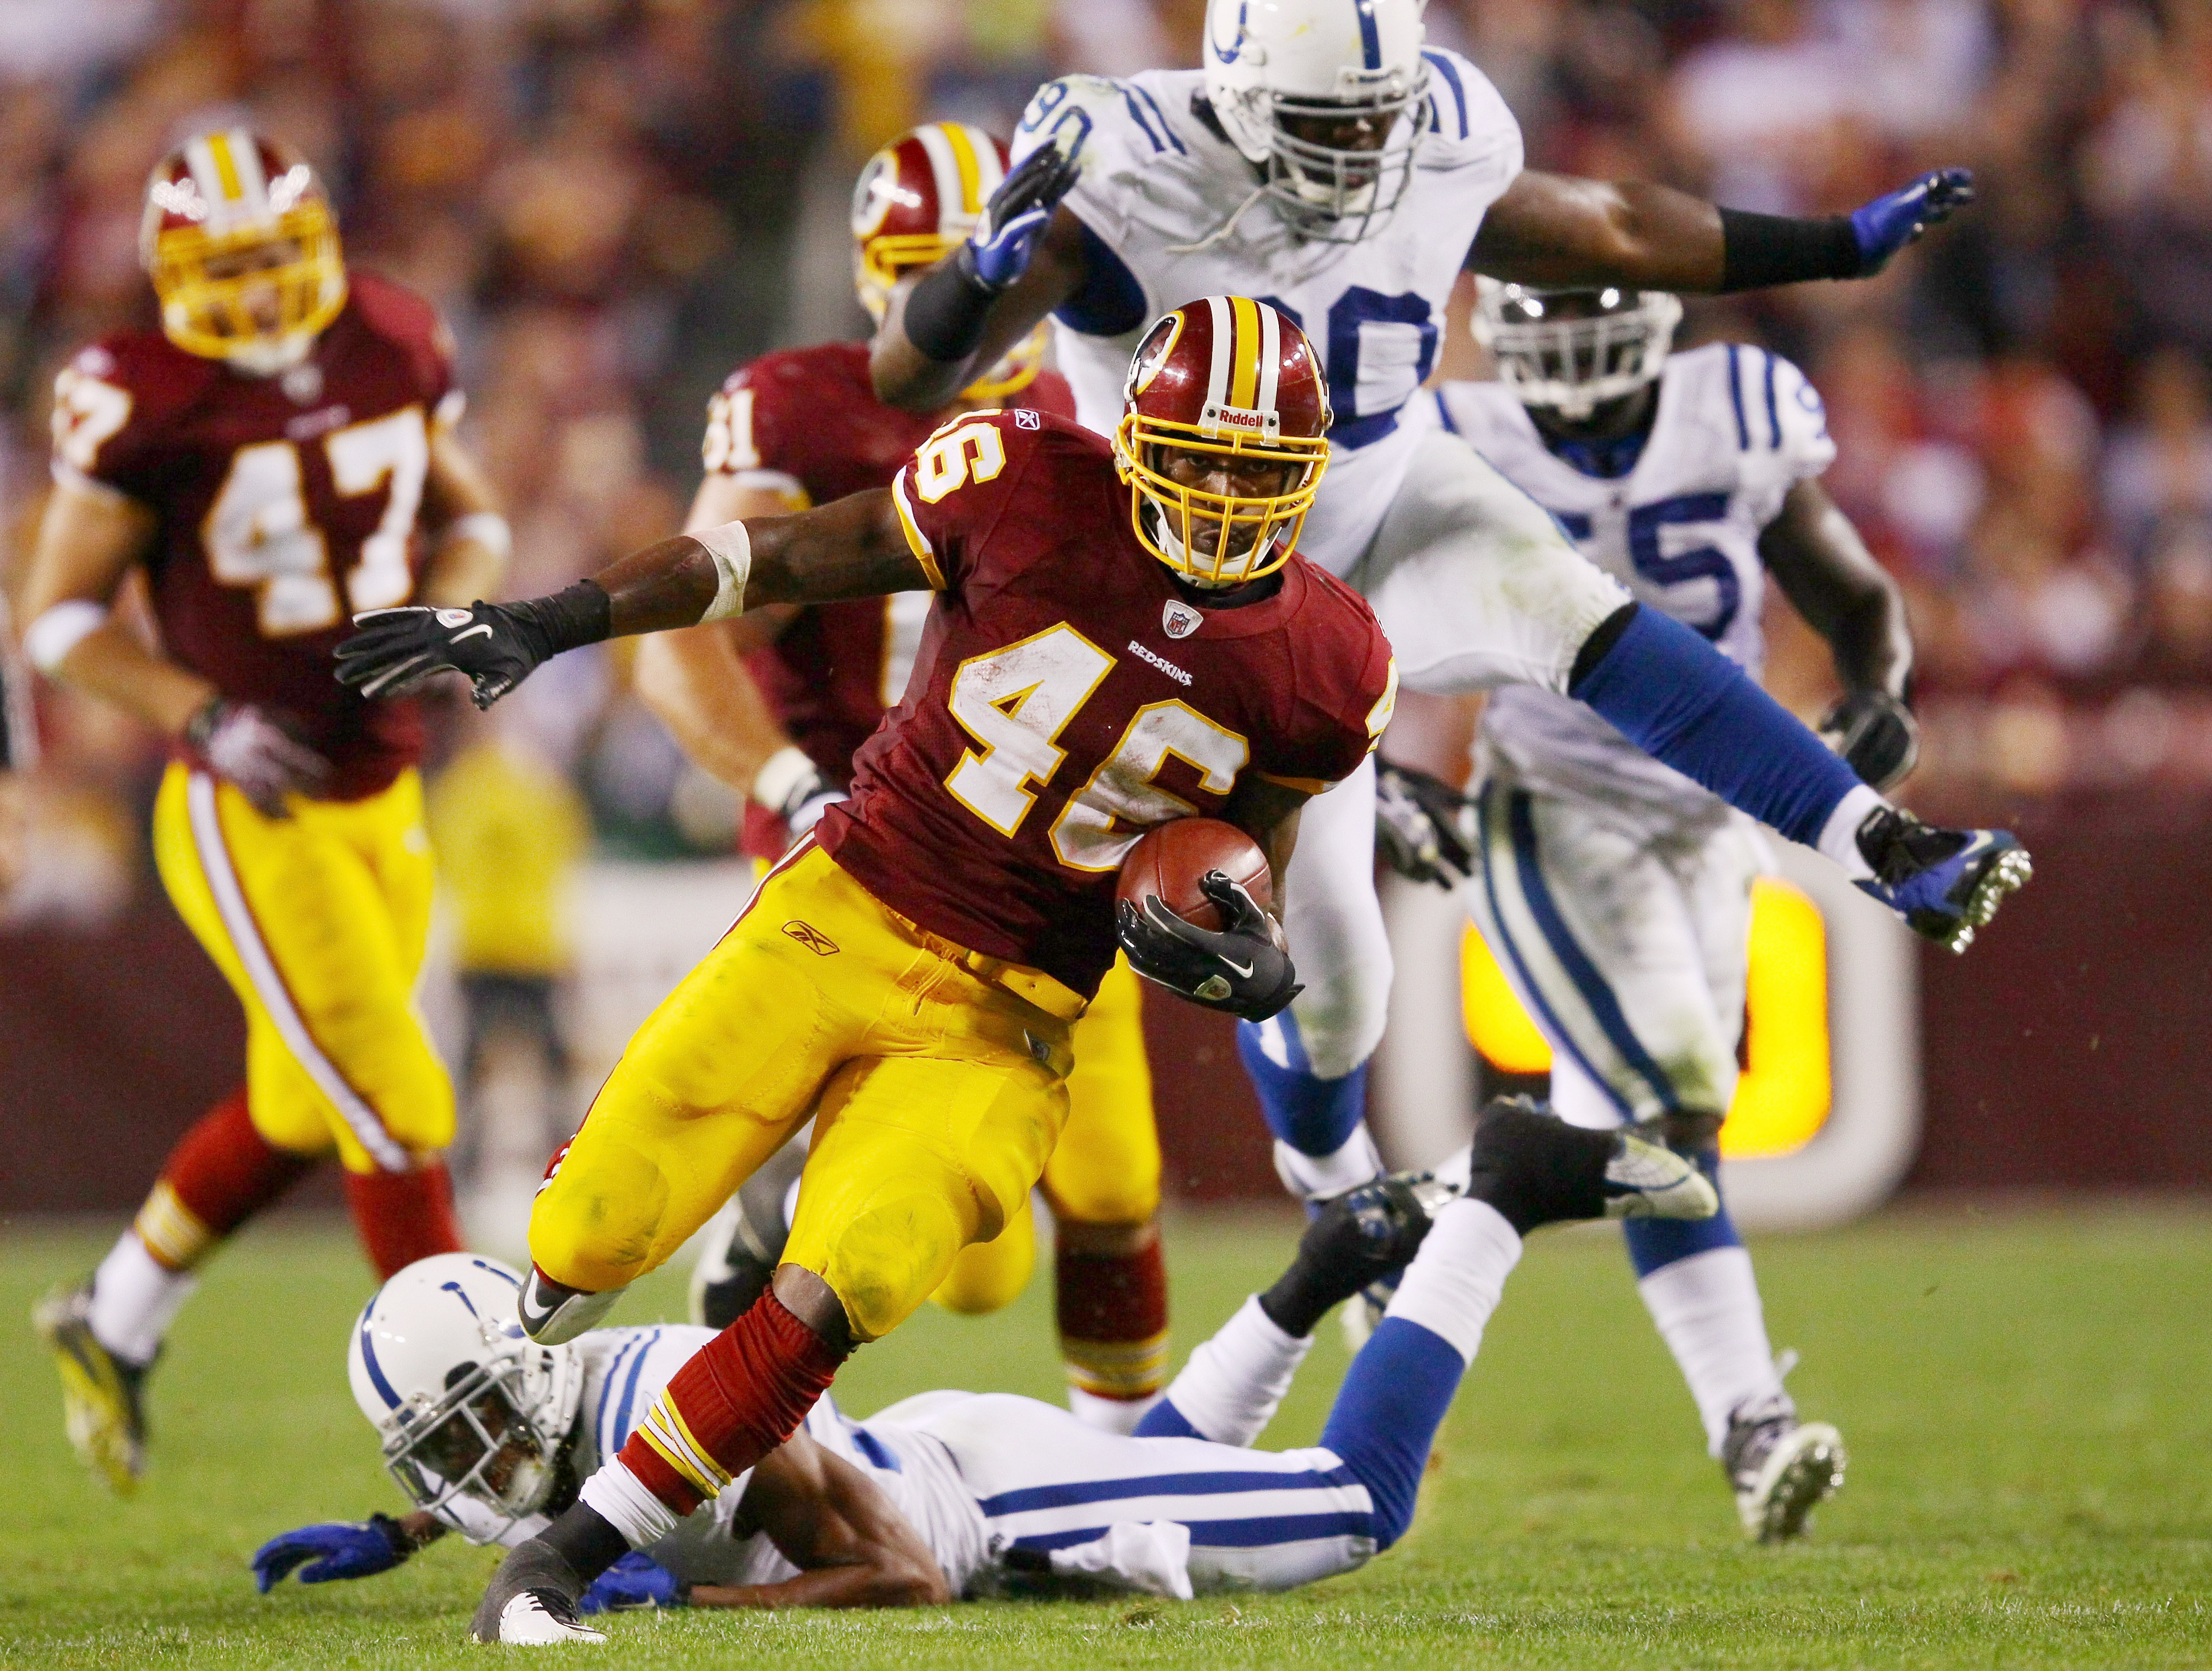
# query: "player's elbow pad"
{"points": [[1682, 701]]}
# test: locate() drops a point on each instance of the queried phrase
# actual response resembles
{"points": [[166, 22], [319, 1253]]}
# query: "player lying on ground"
{"points": [[957, 1494], [1326, 158], [777, 702], [907, 976], [1614, 893], [266, 460]]}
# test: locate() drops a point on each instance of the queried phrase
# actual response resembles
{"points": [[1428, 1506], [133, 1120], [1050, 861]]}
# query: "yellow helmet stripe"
{"points": [[1244, 367], [226, 167], [957, 136]]}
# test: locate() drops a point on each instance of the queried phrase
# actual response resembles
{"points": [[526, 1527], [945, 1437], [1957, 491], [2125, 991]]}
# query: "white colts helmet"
{"points": [[1571, 350], [1272, 61], [472, 1413]]}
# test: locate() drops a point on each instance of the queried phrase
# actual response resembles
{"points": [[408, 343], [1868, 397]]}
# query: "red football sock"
{"points": [[1114, 1320], [403, 1217], [222, 1172], [737, 1398]]}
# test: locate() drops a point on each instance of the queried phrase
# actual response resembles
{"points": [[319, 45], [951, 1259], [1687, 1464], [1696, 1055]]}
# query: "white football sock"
{"points": [[620, 1498], [1318, 1177], [1839, 835], [1109, 1415], [1230, 1388], [135, 1299], [1708, 1312], [1456, 1280]]}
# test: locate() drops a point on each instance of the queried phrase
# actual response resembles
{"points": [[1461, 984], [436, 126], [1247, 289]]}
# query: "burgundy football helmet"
{"points": [[1222, 378]]}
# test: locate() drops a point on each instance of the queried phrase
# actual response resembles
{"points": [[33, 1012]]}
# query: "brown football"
{"points": [[1169, 862]]}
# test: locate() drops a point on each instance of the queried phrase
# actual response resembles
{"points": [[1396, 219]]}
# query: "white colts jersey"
{"points": [[1736, 427], [1159, 191]]}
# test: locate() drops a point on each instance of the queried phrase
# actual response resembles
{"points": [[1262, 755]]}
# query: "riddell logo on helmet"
{"points": [[1217, 420]]}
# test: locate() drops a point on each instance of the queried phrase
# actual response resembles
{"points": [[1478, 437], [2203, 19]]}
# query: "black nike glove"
{"points": [[1424, 827], [1240, 970], [494, 646], [1876, 735]]}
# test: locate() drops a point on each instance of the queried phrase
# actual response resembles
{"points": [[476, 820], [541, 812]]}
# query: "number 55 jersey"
{"points": [[1070, 694], [284, 506]]}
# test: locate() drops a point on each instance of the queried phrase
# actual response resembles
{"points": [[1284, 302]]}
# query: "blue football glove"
{"points": [[1944, 883], [339, 1549], [998, 251], [1891, 222], [635, 1581]]}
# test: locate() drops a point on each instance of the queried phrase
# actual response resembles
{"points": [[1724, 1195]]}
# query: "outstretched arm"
{"points": [[853, 1548], [1554, 230]]}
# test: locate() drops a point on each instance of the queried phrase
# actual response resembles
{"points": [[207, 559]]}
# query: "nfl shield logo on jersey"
{"points": [[1180, 619]]}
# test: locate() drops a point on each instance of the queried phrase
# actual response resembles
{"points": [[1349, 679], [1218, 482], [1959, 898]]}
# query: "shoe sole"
{"points": [[1806, 1470], [2009, 872], [96, 1408]]}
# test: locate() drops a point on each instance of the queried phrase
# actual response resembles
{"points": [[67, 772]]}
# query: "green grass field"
{"points": [[2025, 1395]]}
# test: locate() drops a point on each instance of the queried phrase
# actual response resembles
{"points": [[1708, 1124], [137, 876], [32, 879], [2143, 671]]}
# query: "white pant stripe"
{"points": [[269, 985]]}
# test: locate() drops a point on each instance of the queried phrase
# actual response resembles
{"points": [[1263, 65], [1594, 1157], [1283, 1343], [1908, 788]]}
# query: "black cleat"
{"points": [[1537, 1170]]}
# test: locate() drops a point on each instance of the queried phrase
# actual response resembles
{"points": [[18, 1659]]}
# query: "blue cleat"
{"points": [[1945, 883]]}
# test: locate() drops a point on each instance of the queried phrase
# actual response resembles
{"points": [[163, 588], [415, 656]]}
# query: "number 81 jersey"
{"points": [[1069, 695], [283, 505]]}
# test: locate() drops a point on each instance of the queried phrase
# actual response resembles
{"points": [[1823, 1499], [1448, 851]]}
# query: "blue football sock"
{"points": [[1314, 1115], [1654, 1244], [1386, 1416]]}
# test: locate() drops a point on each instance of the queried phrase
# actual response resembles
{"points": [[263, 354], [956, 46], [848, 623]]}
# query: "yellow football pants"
{"points": [[317, 921], [936, 1079], [1106, 1169]]}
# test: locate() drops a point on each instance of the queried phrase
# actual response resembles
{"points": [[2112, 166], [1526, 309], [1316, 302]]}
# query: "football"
{"points": [[1169, 862]]}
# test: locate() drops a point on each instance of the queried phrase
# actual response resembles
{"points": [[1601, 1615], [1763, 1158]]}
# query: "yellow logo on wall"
{"points": [[1784, 1094]]}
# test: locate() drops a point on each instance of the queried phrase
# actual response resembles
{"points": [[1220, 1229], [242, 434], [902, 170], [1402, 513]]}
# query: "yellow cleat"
{"points": [[100, 1391]]}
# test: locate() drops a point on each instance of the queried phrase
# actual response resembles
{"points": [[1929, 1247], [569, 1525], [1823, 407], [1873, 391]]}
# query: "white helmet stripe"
{"points": [[1225, 351], [226, 168], [1271, 354], [945, 170]]}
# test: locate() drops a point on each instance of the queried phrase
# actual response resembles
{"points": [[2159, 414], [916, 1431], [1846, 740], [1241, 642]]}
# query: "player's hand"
{"points": [[338, 1548], [1243, 969], [635, 1581], [998, 251], [249, 749], [1425, 827], [1944, 883], [393, 650], [1894, 220], [1876, 735]]}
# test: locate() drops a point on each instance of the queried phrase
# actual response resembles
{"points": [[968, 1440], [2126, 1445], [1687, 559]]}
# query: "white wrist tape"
{"points": [[780, 774], [487, 528], [61, 629], [732, 548]]}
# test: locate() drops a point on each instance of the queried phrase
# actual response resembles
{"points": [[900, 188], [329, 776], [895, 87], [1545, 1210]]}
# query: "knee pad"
{"points": [[1339, 1016], [989, 1276], [596, 1223]]}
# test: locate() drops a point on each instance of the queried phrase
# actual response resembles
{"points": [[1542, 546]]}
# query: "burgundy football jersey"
{"points": [[285, 504], [1069, 695], [805, 423]]}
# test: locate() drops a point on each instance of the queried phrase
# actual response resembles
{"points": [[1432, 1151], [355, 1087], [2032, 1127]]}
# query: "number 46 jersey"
{"points": [[1735, 429], [283, 505], [1069, 695]]}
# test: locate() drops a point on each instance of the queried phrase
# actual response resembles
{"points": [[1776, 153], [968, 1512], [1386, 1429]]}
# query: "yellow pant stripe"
{"points": [[269, 984], [172, 1231]]}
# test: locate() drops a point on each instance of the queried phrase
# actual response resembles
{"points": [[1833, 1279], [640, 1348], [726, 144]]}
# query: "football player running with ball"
{"points": [[1616, 894], [1325, 160], [777, 702], [1123, 635], [272, 460], [953, 1494]]}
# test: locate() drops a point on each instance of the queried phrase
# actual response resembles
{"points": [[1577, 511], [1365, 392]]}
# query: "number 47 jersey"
{"points": [[1069, 695], [283, 505]]}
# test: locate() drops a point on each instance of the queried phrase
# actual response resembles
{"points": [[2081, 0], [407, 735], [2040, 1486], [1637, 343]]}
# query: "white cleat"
{"points": [[1643, 1180], [527, 1622], [1782, 1468]]}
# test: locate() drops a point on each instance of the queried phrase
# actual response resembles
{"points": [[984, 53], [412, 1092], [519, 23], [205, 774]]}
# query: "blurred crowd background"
{"points": [[615, 202]]}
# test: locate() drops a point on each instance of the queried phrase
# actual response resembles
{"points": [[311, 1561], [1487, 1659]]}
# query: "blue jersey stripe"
{"points": [[1736, 394], [1075, 1491], [1256, 1532], [606, 1392], [1773, 418], [1443, 412], [1443, 66], [1371, 37], [629, 1392], [1167, 128], [1535, 993], [1604, 1005]]}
